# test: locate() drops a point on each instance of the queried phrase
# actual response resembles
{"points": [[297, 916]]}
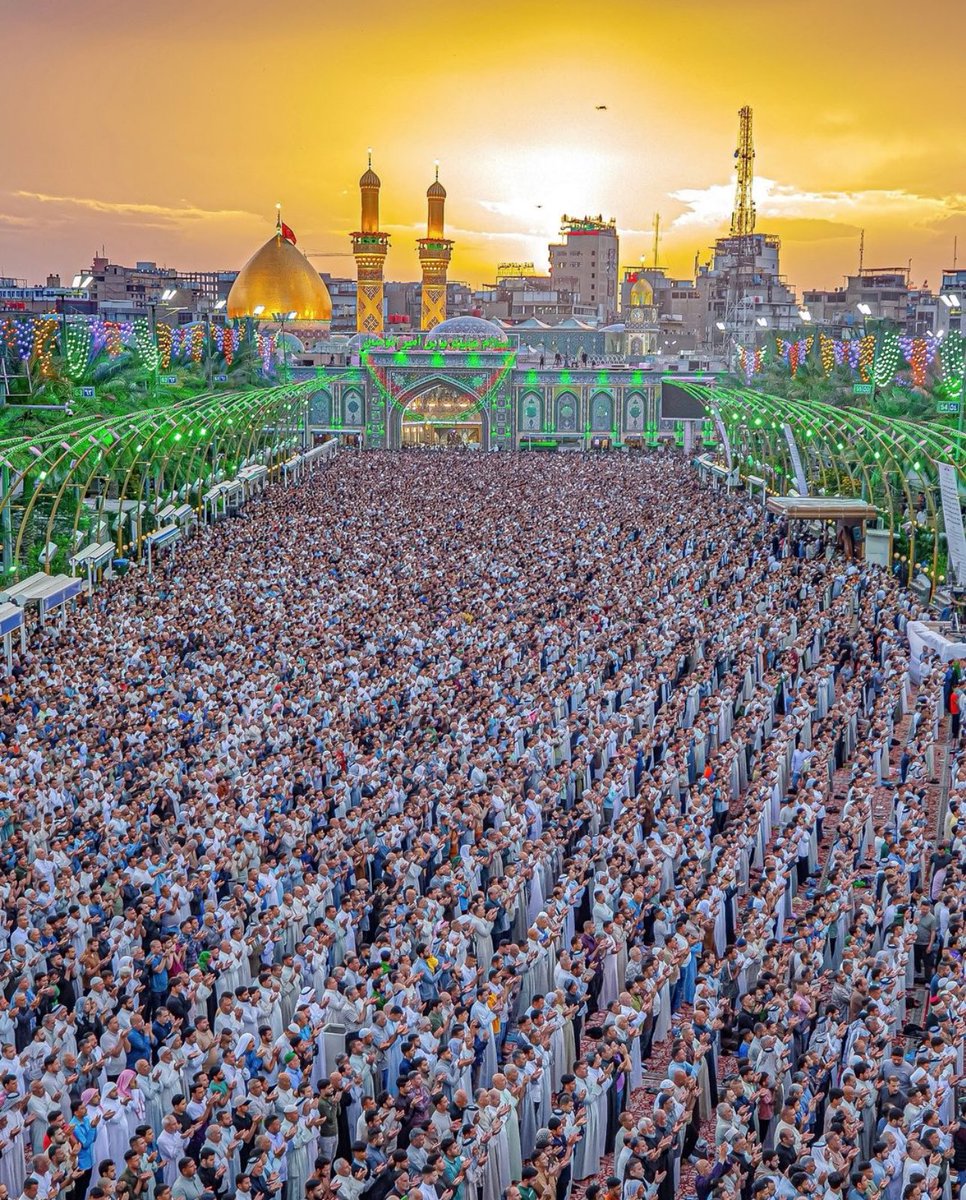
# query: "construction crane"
{"points": [[743, 216]]}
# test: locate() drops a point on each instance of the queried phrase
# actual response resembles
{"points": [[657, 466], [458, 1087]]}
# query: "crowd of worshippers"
{"points": [[527, 829]]}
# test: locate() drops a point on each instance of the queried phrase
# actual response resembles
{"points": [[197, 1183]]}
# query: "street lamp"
{"points": [[865, 309], [281, 318], [762, 322], [79, 283], [804, 314], [219, 305], [166, 297]]}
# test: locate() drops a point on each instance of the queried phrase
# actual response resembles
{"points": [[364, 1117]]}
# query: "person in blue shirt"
{"points": [[158, 963], [139, 1042], [84, 1130]]}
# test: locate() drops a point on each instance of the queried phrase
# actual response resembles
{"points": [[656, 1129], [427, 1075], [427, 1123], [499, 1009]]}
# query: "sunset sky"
{"points": [[169, 131]]}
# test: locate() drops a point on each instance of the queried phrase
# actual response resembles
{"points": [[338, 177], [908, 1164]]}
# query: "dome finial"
{"points": [[369, 152], [436, 161], [278, 218]]}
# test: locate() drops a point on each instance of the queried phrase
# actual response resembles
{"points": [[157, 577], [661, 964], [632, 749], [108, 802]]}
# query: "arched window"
{"points": [[567, 409], [353, 407], [601, 412], [320, 409], [531, 412]]}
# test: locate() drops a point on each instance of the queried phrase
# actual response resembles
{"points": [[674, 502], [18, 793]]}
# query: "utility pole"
{"points": [[861, 249], [743, 217], [742, 244]]}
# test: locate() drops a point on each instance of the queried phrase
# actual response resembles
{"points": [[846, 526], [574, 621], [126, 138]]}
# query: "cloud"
{"points": [[711, 206], [458, 233], [814, 229], [149, 214]]}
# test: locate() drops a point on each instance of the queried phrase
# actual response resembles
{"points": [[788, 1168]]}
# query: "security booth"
{"points": [[233, 492], [93, 559], [47, 593], [167, 536], [185, 517], [293, 468], [323, 452], [837, 521], [11, 619], [10, 593], [757, 488], [253, 479], [211, 501], [713, 472]]}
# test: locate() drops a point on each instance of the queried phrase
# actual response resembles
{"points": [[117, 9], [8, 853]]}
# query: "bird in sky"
{"points": [[601, 107]]}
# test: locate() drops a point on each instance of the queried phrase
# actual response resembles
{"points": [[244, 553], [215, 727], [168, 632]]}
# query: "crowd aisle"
{"points": [[470, 827]]}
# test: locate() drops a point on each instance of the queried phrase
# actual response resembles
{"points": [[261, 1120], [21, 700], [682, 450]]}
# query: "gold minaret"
{"points": [[369, 248], [435, 251]]}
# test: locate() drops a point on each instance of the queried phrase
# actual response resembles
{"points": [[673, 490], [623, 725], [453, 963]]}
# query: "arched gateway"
{"points": [[439, 413]]}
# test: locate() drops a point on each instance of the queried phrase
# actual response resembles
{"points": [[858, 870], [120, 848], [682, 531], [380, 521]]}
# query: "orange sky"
{"points": [[168, 132]]}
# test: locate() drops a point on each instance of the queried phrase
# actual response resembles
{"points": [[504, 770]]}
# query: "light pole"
{"points": [[281, 318], [219, 305], [166, 297], [951, 301], [253, 329], [866, 312], [80, 283]]}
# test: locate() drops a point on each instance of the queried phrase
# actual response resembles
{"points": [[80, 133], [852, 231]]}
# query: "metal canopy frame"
{"points": [[846, 452], [56, 486]]}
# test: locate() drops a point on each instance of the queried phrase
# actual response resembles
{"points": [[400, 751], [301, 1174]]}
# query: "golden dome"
{"points": [[278, 278], [370, 179], [436, 191], [642, 294]]}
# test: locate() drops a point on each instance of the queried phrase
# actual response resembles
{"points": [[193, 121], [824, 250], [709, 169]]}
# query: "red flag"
{"points": [[288, 234]]}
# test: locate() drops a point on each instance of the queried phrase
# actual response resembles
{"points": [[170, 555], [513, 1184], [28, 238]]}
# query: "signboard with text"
{"points": [[953, 520]]}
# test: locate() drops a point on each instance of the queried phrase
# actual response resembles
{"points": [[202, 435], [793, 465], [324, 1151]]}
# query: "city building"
{"points": [[124, 292], [743, 293], [873, 295], [745, 296], [343, 293], [17, 298], [519, 294], [404, 303], [586, 263], [941, 313]]}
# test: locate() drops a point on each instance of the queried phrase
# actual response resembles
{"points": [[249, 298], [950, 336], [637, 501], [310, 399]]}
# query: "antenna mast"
{"points": [[657, 237], [861, 249], [743, 217]]}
